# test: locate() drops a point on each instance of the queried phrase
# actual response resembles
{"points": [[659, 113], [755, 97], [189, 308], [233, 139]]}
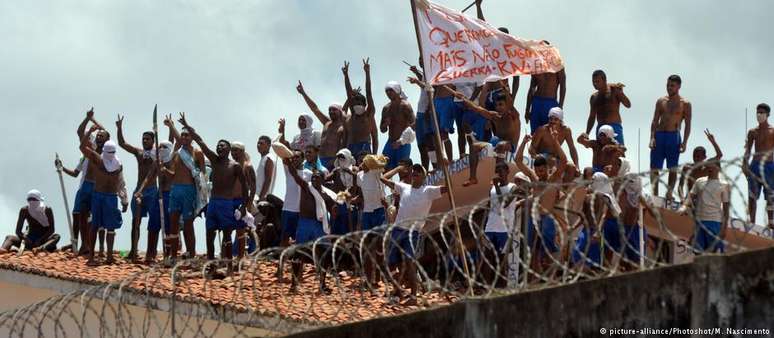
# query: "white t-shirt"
{"points": [[293, 190], [415, 204], [710, 196], [466, 88], [373, 191], [260, 177], [500, 216]]}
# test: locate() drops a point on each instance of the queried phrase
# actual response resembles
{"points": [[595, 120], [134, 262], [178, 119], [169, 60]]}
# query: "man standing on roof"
{"points": [[398, 122], [332, 136], [606, 105], [40, 234], [665, 142], [711, 207], [360, 126], [541, 97], [762, 138], [147, 205]]}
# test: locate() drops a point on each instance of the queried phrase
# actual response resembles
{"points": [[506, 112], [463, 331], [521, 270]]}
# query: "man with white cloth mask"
{"points": [[165, 185], [40, 226], [109, 186], [398, 121]]}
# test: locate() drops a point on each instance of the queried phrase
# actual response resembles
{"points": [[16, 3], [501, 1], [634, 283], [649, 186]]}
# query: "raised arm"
{"points": [[281, 131], [347, 84], [622, 96], [520, 159], [294, 173], [312, 106], [718, 152], [122, 141], [371, 109], [82, 127], [479, 10], [687, 132], [584, 140], [211, 155], [174, 136], [592, 114], [86, 147], [473, 106]]}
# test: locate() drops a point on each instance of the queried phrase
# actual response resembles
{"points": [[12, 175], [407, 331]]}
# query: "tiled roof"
{"points": [[256, 289]]}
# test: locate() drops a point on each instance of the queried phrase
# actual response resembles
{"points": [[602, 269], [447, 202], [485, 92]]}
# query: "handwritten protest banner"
{"points": [[458, 48]]}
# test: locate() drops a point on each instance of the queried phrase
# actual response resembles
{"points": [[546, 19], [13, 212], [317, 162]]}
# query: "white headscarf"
{"points": [[600, 184], [395, 86], [522, 176], [37, 208], [237, 145], [109, 157], [557, 113], [347, 162], [607, 131], [307, 136], [337, 106], [165, 151]]}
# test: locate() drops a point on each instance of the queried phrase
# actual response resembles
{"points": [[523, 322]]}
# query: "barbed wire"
{"points": [[364, 270]]}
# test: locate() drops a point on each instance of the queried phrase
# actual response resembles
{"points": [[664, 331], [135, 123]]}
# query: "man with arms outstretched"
{"points": [[360, 126], [332, 136]]}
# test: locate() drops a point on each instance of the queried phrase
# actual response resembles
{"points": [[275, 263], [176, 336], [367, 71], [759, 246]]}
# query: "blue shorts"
{"points": [[707, 237], [667, 148], [403, 243], [308, 230], [149, 199], [373, 219], [83, 198], [340, 225], [396, 155], [357, 148], [539, 112], [585, 251], [618, 128], [104, 211], [240, 224], [154, 222], [423, 127], [494, 140], [612, 234], [755, 182], [597, 169], [547, 234], [477, 125], [220, 214], [327, 162], [182, 200], [499, 240], [289, 223], [632, 250], [446, 109]]}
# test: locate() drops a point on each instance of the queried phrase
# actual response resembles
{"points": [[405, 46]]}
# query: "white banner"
{"points": [[458, 48]]}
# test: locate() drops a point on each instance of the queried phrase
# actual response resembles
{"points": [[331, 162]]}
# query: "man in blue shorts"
{"points": [[542, 96], [606, 105], [423, 129], [760, 171], [360, 131], [398, 121], [665, 142], [187, 165]]}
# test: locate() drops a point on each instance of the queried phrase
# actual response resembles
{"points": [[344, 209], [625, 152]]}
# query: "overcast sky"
{"points": [[233, 66]]}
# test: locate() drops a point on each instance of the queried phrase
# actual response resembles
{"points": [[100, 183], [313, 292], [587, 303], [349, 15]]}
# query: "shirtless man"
{"points": [[147, 205], [108, 187], [606, 105], [693, 171], [165, 185], [605, 148], [397, 116], [183, 194], [360, 126], [541, 97], [547, 192], [665, 143], [507, 128], [628, 188], [762, 138], [311, 225], [554, 129], [332, 136], [226, 175], [40, 234], [600, 220], [243, 159]]}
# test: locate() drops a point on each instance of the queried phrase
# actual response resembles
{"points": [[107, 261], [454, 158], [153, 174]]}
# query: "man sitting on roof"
{"points": [[40, 232]]}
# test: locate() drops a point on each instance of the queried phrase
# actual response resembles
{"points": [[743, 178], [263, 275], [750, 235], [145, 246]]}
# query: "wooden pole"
{"points": [[442, 160], [158, 180], [73, 240]]}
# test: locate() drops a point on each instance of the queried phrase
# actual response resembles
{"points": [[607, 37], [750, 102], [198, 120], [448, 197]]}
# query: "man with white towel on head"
{"points": [[398, 121], [40, 227]]}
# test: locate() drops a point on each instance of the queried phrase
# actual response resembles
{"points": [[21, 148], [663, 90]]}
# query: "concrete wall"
{"points": [[734, 291]]}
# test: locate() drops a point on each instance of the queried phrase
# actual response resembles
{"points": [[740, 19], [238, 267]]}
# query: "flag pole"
{"points": [[73, 240], [440, 150], [158, 180]]}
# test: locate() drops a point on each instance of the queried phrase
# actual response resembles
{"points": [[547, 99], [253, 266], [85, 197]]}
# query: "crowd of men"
{"points": [[336, 176]]}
